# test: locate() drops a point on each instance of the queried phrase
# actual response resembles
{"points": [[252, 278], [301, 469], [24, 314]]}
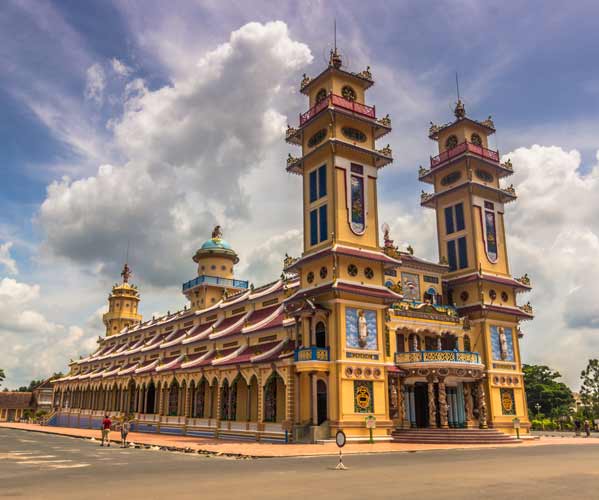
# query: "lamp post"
{"points": [[538, 407]]}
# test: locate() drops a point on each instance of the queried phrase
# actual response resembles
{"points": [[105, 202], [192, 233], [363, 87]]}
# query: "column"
{"points": [[313, 404], [297, 380], [450, 420], [402, 403], [412, 406], [443, 405], [482, 405], [454, 406], [468, 404], [461, 413], [230, 415], [144, 400], [248, 404], [432, 407]]}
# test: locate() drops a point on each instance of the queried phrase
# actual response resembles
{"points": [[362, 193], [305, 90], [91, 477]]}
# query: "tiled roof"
{"points": [[16, 400]]}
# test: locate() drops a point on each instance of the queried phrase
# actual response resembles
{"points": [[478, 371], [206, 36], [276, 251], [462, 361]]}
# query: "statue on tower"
{"points": [[460, 110], [126, 273], [217, 233]]}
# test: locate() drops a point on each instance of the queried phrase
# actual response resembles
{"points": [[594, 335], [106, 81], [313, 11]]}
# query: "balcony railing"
{"points": [[341, 102], [215, 280], [312, 354], [437, 357], [488, 154]]}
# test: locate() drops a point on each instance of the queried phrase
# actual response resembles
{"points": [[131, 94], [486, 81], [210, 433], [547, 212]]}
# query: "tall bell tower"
{"points": [[470, 202], [341, 304], [123, 303]]}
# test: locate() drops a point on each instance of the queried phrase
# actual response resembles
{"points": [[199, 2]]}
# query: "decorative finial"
{"points": [[460, 110], [410, 250], [217, 233], [126, 273]]}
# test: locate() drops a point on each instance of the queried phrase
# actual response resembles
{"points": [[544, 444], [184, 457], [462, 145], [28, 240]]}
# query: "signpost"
{"points": [[371, 424], [340, 439]]}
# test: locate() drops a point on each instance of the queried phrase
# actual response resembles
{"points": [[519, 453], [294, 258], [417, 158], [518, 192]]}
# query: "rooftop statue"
{"points": [[217, 233]]}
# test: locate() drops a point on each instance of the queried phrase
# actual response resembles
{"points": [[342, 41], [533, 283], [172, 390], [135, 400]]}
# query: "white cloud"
{"points": [[33, 346], [95, 83], [120, 68], [6, 260], [192, 148]]}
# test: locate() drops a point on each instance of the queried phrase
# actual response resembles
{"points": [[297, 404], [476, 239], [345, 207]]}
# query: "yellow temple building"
{"points": [[356, 335]]}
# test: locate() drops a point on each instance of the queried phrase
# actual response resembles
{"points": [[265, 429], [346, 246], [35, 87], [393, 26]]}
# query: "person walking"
{"points": [[587, 428], [577, 427], [106, 424], [125, 426]]}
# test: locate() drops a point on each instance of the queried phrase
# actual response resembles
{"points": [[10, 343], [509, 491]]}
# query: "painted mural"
{"points": [[502, 343], [491, 236], [363, 396], [410, 286], [360, 328], [508, 403], [357, 204]]}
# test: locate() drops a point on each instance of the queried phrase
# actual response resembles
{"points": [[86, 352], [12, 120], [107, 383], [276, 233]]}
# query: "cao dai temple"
{"points": [[354, 327]]}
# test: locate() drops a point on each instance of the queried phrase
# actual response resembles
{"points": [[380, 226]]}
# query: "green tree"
{"points": [[2, 375], [589, 388], [542, 387]]}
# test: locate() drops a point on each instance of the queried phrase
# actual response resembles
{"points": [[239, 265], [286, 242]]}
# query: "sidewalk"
{"points": [[244, 449]]}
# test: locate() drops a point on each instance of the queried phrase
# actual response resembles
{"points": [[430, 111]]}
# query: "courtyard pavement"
{"points": [[256, 449], [51, 467]]}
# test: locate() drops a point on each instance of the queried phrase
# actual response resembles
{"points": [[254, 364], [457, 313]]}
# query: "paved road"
{"points": [[44, 466]]}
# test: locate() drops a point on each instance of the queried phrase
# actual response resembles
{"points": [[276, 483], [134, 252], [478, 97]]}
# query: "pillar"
{"points": [[482, 405], [412, 406], [443, 405], [468, 403], [432, 407], [402, 402], [248, 404], [313, 405], [460, 397], [230, 415]]}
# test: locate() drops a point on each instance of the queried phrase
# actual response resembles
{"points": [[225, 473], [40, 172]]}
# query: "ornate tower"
{"points": [[342, 298], [216, 260], [470, 202], [123, 302]]}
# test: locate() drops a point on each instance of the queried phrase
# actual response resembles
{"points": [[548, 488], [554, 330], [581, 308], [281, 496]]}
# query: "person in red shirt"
{"points": [[106, 424]]}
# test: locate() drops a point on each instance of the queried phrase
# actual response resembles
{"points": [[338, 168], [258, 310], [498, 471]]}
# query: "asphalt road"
{"points": [[45, 466]]}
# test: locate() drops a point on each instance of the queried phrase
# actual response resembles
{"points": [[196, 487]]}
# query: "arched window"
{"points": [[321, 402], [320, 334], [348, 93], [449, 342], [451, 142], [173, 399], [270, 400], [151, 398], [467, 345], [224, 401], [199, 400]]}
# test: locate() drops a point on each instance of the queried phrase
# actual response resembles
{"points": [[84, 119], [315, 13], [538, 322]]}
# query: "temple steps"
{"points": [[452, 436]]}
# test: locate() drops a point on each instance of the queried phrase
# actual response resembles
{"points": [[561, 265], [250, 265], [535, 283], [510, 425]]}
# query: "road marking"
{"points": [[74, 466], [42, 462]]}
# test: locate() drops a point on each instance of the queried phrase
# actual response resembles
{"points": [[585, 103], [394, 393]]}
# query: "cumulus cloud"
{"points": [[6, 260], [34, 346], [191, 147], [120, 68], [95, 83]]}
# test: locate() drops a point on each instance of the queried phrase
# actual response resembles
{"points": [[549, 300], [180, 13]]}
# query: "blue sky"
{"points": [[145, 122]]}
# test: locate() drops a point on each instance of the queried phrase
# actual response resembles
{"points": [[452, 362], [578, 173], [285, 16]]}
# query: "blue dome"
{"points": [[215, 244]]}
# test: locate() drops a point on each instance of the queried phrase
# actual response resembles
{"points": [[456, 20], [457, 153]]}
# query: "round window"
{"points": [[476, 140], [369, 273], [451, 142], [348, 93], [323, 272], [213, 267], [223, 268], [352, 270], [493, 294], [321, 95], [310, 277], [504, 296], [451, 178], [464, 296], [354, 134], [317, 138]]}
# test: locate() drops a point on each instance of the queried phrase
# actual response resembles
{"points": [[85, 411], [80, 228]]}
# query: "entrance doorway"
{"points": [[321, 401], [421, 404]]}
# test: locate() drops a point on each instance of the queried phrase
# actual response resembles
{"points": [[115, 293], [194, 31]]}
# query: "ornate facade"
{"points": [[352, 328]]}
